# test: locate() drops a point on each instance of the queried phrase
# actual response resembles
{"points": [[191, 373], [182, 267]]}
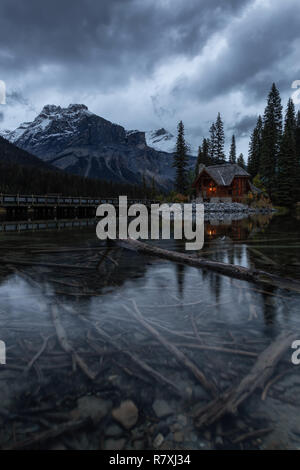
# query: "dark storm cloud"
{"points": [[148, 63], [244, 126], [118, 38], [255, 54], [16, 97]]}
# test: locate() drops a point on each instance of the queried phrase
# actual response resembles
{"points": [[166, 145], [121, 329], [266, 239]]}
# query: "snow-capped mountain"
{"points": [[80, 142], [161, 140]]}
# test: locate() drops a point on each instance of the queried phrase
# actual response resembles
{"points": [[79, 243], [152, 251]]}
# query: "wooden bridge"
{"points": [[35, 225], [9, 200], [58, 205]]}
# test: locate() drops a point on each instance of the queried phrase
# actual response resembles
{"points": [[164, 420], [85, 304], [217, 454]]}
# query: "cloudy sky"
{"points": [[147, 64]]}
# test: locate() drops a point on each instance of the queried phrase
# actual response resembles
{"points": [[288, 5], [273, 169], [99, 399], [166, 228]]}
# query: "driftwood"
{"points": [[66, 346], [261, 256], [66, 250], [180, 356], [252, 435], [37, 355], [272, 382], [227, 269], [44, 264], [143, 365], [51, 434], [204, 347], [262, 370]]}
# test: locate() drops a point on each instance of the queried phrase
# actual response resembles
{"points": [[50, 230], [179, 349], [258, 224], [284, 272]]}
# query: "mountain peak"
{"points": [[50, 109], [78, 107]]}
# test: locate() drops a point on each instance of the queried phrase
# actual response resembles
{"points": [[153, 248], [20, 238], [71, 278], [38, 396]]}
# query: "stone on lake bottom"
{"points": [[91, 407], [161, 408], [127, 414]]}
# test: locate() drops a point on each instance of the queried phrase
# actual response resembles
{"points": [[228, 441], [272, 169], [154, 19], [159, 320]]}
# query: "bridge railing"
{"points": [[49, 200]]}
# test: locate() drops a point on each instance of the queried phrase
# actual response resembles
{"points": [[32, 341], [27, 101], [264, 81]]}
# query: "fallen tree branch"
{"points": [[37, 355], [272, 382], [66, 346], [50, 434], [252, 435], [239, 272], [45, 264], [262, 370], [143, 365], [180, 356]]}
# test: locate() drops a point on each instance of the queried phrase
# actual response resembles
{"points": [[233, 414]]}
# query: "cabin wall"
{"points": [[206, 189]]}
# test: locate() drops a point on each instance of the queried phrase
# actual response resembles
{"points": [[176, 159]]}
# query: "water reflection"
{"points": [[190, 307]]}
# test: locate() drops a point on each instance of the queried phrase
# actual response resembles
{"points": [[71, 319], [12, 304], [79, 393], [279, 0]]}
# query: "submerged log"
{"points": [[66, 346], [52, 433], [260, 373], [238, 272], [44, 264], [179, 355]]}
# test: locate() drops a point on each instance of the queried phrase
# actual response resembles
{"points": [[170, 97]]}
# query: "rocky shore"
{"points": [[233, 208]]}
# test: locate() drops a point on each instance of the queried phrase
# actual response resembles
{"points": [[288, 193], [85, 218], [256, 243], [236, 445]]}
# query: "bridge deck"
{"points": [[18, 200]]}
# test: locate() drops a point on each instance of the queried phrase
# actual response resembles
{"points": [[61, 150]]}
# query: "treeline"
{"points": [[212, 152], [274, 150], [20, 179]]}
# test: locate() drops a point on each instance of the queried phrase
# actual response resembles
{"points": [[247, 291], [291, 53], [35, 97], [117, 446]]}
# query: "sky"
{"points": [[147, 64]]}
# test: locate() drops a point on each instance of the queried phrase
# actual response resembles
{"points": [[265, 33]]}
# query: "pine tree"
{"points": [[232, 154], [153, 188], [205, 152], [181, 160], [241, 161], [271, 137], [144, 186], [255, 146], [298, 136], [287, 160], [220, 139], [199, 160], [298, 157], [203, 155], [212, 143]]}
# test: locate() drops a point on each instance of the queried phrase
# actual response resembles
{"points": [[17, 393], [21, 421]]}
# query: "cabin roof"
{"points": [[224, 174]]}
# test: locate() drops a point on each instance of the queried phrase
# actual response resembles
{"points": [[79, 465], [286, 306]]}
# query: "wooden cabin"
{"points": [[222, 183]]}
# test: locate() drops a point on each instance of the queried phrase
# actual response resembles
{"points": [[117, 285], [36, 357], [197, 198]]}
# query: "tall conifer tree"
{"points": [[271, 138], [205, 152], [220, 139], [232, 154], [212, 143], [181, 160], [199, 160], [255, 145], [298, 156], [241, 161], [287, 160]]}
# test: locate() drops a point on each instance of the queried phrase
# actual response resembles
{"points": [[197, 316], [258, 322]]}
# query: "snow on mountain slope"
{"points": [[163, 141], [78, 141]]}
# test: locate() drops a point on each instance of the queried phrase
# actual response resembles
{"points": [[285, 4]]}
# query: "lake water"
{"points": [[221, 324]]}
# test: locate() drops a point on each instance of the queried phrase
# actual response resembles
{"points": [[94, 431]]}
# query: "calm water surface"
{"points": [[189, 307]]}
